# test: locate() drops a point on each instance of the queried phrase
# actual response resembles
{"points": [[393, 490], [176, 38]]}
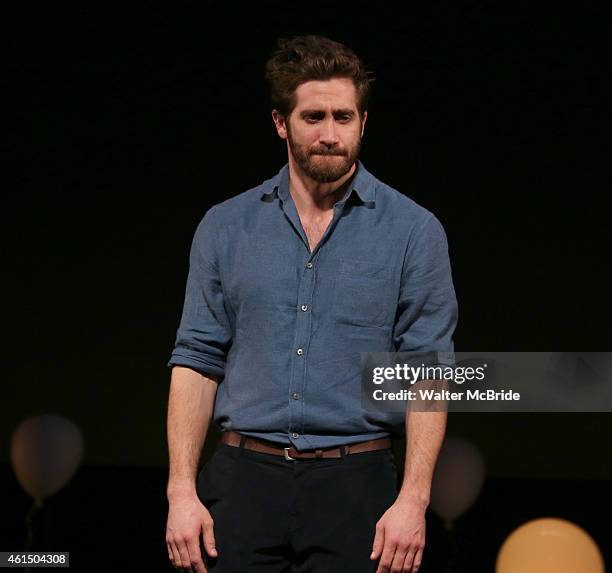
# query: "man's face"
{"points": [[324, 129]]}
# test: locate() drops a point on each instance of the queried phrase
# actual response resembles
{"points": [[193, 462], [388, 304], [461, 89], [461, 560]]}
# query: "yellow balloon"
{"points": [[549, 545]]}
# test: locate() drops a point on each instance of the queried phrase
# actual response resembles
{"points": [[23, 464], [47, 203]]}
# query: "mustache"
{"points": [[326, 152]]}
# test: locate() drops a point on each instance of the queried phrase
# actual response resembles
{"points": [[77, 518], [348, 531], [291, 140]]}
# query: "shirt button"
{"points": [[309, 265], [296, 396], [295, 435], [304, 307], [300, 351]]}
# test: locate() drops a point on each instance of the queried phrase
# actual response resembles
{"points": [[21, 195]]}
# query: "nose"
{"points": [[328, 134]]}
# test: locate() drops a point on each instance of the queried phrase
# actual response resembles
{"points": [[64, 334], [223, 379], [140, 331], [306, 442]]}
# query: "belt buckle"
{"points": [[287, 456]]}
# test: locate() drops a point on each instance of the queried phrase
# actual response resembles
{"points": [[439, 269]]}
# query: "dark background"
{"points": [[131, 124]]}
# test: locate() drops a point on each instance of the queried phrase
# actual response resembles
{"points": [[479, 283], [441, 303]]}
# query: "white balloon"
{"points": [[458, 479], [45, 453]]}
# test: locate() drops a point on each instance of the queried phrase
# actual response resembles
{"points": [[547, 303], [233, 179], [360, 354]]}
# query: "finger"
{"points": [[209, 539], [176, 557], [379, 541], [195, 556], [397, 565], [386, 559], [418, 559], [408, 566], [184, 553]]}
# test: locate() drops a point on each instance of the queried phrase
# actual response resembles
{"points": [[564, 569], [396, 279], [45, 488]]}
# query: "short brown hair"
{"points": [[305, 58]]}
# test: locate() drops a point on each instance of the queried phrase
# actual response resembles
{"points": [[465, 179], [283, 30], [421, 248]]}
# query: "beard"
{"points": [[322, 164]]}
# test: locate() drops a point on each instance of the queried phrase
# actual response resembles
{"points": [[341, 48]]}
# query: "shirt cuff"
{"points": [[202, 366]]}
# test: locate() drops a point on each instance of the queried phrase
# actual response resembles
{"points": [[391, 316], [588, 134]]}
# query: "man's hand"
{"points": [[400, 538], [187, 520]]}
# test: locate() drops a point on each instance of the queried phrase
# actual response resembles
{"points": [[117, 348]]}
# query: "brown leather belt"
{"points": [[232, 438]]}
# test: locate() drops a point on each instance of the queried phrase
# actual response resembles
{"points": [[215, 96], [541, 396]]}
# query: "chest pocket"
{"points": [[362, 293]]}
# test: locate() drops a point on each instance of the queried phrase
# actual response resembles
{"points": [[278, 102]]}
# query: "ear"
{"points": [[363, 122], [280, 124]]}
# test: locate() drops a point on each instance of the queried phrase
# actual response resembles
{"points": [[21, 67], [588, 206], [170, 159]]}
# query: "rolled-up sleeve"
{"points": [[427, 307], [204, 334]]}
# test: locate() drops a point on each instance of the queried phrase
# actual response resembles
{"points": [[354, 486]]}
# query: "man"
{"points": [[288, 284]]}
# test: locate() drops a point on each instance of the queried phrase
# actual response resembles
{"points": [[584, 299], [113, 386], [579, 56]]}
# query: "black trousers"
{"points": [[305, 516]]}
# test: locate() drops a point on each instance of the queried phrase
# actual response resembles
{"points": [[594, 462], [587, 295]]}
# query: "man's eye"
{"points": [[312, 119]]}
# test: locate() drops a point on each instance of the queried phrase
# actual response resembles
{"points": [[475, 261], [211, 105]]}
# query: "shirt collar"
{"points": [[362, 184]]}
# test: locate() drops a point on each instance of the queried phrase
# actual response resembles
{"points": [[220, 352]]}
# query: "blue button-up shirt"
{"points": [[284, 327]]}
